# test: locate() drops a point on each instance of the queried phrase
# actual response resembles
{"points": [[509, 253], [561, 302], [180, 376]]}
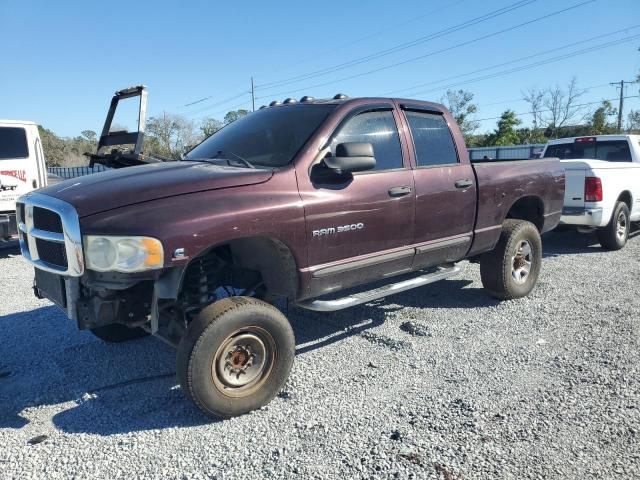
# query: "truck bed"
{"points": [[502, 183]]}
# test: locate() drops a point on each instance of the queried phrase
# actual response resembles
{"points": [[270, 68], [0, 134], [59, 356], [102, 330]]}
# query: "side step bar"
{"points": [[380, 292]]}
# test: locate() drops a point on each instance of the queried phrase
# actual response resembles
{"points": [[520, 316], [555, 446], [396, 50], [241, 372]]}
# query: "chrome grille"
{"points": [[50, 234], [47, 220]]}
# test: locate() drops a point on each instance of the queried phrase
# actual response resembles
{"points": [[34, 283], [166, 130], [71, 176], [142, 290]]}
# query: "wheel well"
{"points": [[245, 263], [626, 198], [530, 209]]}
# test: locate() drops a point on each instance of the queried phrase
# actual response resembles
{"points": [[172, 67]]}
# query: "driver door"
{"points": [[359, 226]]}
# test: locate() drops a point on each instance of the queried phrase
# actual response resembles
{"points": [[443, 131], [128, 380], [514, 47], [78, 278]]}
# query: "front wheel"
{"points": [[511, 269], [235, 356], [614, 235]]}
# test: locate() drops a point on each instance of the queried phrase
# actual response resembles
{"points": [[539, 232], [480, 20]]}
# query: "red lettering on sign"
{"points": [[19, 174]]}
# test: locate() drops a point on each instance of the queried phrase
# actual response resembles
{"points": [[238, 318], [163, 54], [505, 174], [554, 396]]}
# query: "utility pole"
{"points": [[253, 96], [621, 104]]}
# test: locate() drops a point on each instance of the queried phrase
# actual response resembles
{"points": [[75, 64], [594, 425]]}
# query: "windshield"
{"points": [[270, 137], [610, 150]]}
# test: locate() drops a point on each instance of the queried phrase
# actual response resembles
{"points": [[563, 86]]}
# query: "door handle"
{"points": [[466, 183], [399, 191]]}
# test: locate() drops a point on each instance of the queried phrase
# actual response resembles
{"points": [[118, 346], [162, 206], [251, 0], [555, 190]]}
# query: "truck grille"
{"points": [[50, 234], [52, 253], [47, 220]]}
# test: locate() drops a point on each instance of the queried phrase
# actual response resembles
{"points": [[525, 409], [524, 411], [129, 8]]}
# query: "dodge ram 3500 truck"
{"points": [[300, 200], [603, 184]]}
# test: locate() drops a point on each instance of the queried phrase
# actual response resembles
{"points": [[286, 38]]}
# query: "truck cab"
{"points": [[602, 184], [22, 169]]}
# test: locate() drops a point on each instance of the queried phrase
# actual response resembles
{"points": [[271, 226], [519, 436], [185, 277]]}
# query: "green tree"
{"points": [[599, 123], [460, 104], [88, 135], [234, 115], [209, 126], [633, 121], [527, 136], [505, 133]]}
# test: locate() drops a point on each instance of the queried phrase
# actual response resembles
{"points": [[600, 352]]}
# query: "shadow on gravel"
{"points": [[8, 250], [49, 368], [571, 242], [316, 330], [47, 364]]}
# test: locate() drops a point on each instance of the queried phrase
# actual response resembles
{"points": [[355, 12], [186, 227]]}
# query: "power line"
{"points": [[399, 47], [392, 27], [503, 102], [527, 57], [621, 104], [253, 87], [435, 52], [532, 65], [549, 110], [213, 105], [226, 110]]}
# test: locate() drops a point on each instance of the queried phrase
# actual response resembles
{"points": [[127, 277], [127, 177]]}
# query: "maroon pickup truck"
{"points": [[301, 200]]}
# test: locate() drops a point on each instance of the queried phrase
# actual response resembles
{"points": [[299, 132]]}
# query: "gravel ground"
{"points": [[438, 382]]}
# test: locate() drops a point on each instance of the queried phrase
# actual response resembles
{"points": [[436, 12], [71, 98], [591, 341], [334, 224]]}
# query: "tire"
{"points": [[512, 268], [210, 358], [614, 235], [118, 333]]}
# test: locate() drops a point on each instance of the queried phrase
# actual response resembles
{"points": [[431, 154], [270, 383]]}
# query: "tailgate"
{"points": [[574, 183]]}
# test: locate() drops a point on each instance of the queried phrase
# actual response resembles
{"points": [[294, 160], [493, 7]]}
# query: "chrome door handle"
{"points": [[466, 183], [399, 191]]}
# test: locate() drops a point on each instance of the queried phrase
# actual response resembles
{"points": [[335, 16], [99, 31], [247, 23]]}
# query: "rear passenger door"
{"points": [[445, 190]]}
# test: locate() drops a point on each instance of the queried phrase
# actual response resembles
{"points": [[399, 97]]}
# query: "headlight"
{"points": [[122, 254]]}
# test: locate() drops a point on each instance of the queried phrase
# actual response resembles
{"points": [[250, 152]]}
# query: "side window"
{"points": [[432, 139], [380, 130], [613, 151], [13, 143]]}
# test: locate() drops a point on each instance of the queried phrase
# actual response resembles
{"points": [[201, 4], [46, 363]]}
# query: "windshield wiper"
{"points": [[245, 162]]}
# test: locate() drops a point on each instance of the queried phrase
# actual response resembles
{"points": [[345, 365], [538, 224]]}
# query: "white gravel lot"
{"points": [[438, 382]]}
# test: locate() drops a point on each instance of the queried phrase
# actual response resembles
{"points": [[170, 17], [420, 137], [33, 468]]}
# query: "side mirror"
{"points": [[351, 157]]}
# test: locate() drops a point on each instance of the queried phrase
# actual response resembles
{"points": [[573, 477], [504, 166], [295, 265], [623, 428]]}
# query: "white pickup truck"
{"points": [[602, 191], [22, 169]]}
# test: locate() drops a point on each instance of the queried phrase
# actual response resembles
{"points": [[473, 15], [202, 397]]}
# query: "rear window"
{"points": [[609, 150], [13, 143], [432, 139]]}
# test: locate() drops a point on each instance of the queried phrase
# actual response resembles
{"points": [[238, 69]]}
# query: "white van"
{"points": [[22, 169]]}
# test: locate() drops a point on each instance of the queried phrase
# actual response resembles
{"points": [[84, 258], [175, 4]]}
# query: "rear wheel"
{"points": [[235, 356], [511, 269], [118, 333], [614, 235]]}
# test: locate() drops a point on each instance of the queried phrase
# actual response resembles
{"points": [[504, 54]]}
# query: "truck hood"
{"points": [[127, 186]]}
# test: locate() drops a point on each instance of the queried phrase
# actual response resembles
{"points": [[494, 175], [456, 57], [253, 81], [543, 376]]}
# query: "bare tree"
{"points": [[555, 107], [534, 98], [561, 106], [169, 135]]}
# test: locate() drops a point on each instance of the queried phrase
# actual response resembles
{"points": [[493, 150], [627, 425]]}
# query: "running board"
{"points": [[380, 292]]}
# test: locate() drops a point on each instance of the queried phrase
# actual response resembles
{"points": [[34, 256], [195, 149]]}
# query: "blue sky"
{"points": [[61, 61]]}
